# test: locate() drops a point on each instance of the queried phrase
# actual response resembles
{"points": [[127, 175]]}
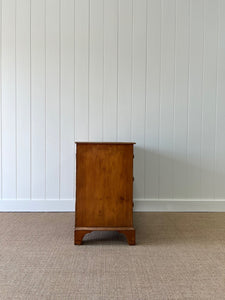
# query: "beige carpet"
{"points": [[177, 256]]}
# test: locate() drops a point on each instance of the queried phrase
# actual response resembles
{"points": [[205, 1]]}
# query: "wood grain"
{"points": [[104, 186], [79, 233]]}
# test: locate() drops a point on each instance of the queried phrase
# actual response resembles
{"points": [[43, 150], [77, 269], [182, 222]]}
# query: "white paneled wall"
{"points": [[148, 71]]}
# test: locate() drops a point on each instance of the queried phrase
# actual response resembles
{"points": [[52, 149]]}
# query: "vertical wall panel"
{"points": [[146, 71], [139, 94], [67, 99], [152, 99], [0, 100], [125, 30], [23, 98], [9, 144], [82, 10], [110, 70], [195, 99], [166, 125], [53, 99], [38, 100], [181, 98], [96, 70], [209, 97], [220, 108]]}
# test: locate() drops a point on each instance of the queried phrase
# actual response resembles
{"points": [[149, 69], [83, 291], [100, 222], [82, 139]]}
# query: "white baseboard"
{"points": [[53, 205], [143, 205], [180, 205]]}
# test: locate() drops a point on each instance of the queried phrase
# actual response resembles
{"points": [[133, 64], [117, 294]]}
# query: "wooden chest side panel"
{"points": [[104, 186]]}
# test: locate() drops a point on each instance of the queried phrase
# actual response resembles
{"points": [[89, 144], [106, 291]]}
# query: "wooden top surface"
{"points": [[107, 143]]}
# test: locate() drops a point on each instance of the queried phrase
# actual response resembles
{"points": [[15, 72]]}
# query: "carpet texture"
{"points": [[177, 256]]}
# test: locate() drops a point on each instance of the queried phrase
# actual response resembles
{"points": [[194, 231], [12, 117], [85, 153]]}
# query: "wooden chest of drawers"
{"points": [[104, 189]]}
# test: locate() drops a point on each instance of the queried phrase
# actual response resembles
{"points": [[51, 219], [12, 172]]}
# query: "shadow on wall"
{"points": [[175, 176]]}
